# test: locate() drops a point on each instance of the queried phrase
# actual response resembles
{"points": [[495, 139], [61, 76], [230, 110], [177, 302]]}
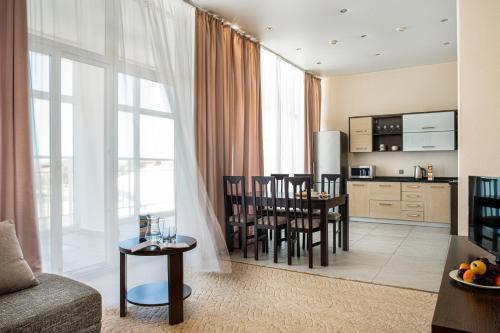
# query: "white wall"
{"points": [[413, 89], [479, 93]]}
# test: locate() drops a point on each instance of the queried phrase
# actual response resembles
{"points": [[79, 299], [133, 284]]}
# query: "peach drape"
{"points": [[16, 179], [227, 107], [312, 119]]}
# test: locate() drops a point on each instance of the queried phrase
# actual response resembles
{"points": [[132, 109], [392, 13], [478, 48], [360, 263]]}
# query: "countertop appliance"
{"points": [[329, 153], [419, 172], [362, 171]]}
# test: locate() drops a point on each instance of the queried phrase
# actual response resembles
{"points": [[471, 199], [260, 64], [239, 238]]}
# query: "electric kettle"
{"points": [[419, 172]]}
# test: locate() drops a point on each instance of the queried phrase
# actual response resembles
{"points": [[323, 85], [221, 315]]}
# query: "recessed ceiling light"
{"points": [[446, 43], [444, 20], [235, 26], [343, 10], [364, 36], [401, 29], [318, 63], [298, 49], [269, 28], [378, 54], [333, 41]]}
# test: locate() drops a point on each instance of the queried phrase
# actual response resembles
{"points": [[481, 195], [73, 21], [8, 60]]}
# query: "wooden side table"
{"points": [[171, 293]]}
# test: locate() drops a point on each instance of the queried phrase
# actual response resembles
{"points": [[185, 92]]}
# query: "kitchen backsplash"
{"points": [[445, 163]]}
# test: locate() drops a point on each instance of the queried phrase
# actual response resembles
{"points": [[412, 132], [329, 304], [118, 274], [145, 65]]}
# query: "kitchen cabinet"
{"points": [[360, 126], [437, 203], [361, 143], [429, 141], [359, 203], [429, 122], [385, 191], [360, 135], [385, 209], [407, 201]]}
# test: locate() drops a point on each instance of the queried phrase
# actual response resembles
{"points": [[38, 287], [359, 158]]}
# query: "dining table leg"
{"points": [[345, 223], [324, 235]]}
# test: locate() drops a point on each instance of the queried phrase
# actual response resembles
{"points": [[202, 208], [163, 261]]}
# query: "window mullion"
{"points": [[137, 147]]}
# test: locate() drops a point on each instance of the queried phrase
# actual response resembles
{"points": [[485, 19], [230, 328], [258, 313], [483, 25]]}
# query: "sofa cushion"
{"points": [[15, 273], [57, 304]]}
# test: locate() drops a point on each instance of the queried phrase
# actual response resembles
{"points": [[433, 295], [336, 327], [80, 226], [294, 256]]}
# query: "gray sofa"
{"points": [[57, 304]]}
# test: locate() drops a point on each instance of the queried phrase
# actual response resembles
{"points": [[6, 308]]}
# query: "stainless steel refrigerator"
{"points": [[329, 153]]}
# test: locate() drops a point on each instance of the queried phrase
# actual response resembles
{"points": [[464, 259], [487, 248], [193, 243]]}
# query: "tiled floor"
{"points": [[390, 254]]}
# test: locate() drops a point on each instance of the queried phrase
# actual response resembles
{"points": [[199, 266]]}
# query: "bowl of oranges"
{"points": [[480, 273]]}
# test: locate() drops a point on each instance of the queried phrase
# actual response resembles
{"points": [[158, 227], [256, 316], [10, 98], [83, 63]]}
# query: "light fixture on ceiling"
{"points": [[269, 28], [378, 54], [333, 42], [401, 29], [444, 20], [235, 26], [364, 36], [446, 43], [298, 49], [343, 10], [318, 63]]}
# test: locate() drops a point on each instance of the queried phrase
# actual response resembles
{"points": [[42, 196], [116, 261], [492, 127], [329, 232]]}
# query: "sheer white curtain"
{"points": [[282, 115], [112, 104]]}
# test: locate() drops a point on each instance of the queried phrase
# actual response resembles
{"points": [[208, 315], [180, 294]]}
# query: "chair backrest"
{"points": [[264, 199], [280, 181], [310, 175], [234, 198], [331, 182], [298, 206]]}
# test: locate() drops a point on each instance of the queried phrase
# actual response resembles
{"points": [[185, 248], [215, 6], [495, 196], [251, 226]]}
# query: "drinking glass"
{"points": [[153, 233]]}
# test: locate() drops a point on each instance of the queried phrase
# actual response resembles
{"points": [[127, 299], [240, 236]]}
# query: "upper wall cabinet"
{"points": [[429, 122], [360, 134], [429, 131]]}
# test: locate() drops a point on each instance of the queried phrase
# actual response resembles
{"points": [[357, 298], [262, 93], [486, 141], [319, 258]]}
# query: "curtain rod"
{"points": [[189, 2]]}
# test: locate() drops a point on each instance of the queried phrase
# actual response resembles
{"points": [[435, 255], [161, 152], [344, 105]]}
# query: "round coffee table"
{"points": [[171, 293]]}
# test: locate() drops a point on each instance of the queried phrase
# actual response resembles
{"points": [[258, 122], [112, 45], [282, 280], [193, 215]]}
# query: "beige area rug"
{"points": [[261, 299]]}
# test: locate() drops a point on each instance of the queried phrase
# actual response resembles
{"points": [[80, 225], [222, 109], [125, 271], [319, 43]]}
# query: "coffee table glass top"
{"points": [[127, 245]]}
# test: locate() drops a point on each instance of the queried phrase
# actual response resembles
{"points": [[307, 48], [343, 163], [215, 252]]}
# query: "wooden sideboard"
{"points": [[460, 308]]}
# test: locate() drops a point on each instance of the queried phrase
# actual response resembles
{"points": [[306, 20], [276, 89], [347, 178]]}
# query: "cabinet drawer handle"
{"points": [[428, 146], [360, 185], [384, 204], [437, 186], [413, 195], [413, 215], [361, 131], [413, 205], [428, 127], [384, 185], [414, 186]]}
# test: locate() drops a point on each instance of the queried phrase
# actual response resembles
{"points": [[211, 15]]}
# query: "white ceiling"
{"points": [[311, 24]]}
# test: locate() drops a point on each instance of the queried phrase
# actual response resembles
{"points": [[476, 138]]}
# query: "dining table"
{"points": [[317, 203]]}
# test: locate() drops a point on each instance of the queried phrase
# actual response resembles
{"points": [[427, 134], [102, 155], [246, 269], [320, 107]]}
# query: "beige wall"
{"points": [[479, 94], [413, 89]]}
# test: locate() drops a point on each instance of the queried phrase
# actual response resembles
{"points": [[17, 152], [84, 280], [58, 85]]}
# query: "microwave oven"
{"points": [[362, 171]]}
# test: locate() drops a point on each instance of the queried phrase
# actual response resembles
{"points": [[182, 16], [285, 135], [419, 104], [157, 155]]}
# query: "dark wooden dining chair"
{"points": [[334, 184], [280, 189], [266, 214], [299, 216], [236, 209]]}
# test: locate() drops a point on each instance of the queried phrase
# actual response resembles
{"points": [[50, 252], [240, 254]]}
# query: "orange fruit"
{"points": [[468, 276], [478, 267], [464, 266]]}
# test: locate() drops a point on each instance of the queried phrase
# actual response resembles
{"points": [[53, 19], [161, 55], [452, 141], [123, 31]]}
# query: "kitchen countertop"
{"points": [[450, 180]]}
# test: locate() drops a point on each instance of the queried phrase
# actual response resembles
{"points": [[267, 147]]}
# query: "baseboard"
{"points": [[414, 223]]}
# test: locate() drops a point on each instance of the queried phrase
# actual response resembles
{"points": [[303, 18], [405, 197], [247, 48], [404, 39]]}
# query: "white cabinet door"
{"points": [[429, 122], [429, 141]]}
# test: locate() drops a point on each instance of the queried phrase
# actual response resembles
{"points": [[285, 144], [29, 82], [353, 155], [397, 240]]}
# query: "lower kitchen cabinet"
{"points": [[359, 202], [419, 202], [437, 203]]}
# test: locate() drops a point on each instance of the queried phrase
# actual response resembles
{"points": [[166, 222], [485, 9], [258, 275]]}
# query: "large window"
{"points": [[282, 115], [103, 133]]}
